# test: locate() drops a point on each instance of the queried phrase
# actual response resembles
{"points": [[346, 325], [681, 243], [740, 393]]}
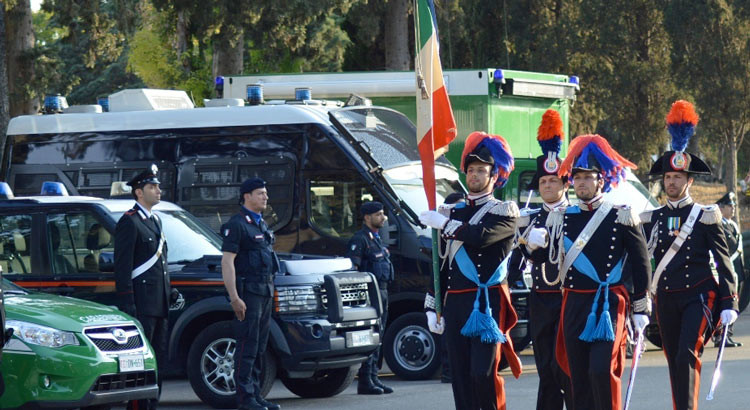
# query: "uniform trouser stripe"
{"points": [[683, 322]]}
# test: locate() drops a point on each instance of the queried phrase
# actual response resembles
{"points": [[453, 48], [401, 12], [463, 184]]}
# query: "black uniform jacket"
{"points": [[369, 254], [487, 242], [256, 263], [539, 257], [734, 244], [619, 233], [136, 241], [690, 269]]}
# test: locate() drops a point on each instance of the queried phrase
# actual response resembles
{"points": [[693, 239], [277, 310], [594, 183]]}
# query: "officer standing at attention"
{"points": [[141, 270], [476, 237], [591, 242], [728, 206], [681, 238], [248, 266], [545, 299], [369, 254]]}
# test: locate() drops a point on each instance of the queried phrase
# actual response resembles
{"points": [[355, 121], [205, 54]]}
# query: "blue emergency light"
{"points": [[54, 103], [498, 77], [254, 94], [104, 102], [573, 79], [5, 191], [219, 86], [303, 94], [50, 188]]}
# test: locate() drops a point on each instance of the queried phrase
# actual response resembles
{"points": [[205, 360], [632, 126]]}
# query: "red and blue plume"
{"points": [[681, 122], [550, 133], [611, 164], [499, 149]]}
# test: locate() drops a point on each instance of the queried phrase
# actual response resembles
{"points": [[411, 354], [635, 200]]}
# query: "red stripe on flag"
{"points": [[427, 154], [443, 124]]}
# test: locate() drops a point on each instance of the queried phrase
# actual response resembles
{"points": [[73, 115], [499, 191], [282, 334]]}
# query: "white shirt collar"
{"points": [[145, 211], [680, 203], [561, 202]]}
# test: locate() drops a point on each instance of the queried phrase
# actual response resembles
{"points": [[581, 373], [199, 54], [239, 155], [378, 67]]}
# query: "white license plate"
{"points": [[131, 362], [359, 338]]}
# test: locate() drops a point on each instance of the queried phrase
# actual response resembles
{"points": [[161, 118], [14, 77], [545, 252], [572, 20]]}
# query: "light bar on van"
{"points": [[54, 104], [539, 88], [104, 102], [5, 191], [302, 94], [254, 94], [575, 80], [50, 188]]}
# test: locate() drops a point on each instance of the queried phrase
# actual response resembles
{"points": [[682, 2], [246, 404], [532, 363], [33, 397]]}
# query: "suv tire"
{"points": [[214, 347], [411, 350], [324, 383]]}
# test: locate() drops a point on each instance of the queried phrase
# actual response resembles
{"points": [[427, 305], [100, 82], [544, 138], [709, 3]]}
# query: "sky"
{"points": [[36, 4]]}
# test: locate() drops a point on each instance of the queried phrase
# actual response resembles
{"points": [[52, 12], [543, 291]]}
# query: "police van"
{"points": [[321, 159]]}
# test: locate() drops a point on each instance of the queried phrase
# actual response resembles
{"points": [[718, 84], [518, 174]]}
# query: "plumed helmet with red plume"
{"points": [[593, 153], [549, 135], [490, 149], [681, 122]]}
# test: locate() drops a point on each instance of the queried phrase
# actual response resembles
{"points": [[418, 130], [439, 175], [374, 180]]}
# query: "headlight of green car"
{"points": [[41, 335]]}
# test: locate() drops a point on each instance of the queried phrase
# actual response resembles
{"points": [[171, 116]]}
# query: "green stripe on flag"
{"points": [[425, 23]]}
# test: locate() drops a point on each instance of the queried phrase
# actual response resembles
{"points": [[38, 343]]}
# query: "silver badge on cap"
{"points": [[154, 169]]}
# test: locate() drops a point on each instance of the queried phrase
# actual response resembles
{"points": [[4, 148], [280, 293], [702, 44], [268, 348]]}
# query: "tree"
{"points": [[711, 57], [397, 56], [20, 34], [4, 103]]}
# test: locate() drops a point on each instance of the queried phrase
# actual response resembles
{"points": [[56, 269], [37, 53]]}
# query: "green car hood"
{"points": [[61, 312]]}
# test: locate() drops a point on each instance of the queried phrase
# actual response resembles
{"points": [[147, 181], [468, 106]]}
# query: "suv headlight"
{"points": [[295, 299], [41, 335]]}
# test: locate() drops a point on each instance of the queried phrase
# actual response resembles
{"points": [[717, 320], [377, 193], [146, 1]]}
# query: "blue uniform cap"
{"points": [[251, 184], [148, 176], [371, 207]]}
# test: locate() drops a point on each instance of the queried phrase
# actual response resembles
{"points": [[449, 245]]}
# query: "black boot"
{"points": [[729, 343], [268, 404], [376, 381], [252, 404], [366, 386]]}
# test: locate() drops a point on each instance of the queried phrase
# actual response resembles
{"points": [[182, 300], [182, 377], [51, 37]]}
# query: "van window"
{"points": [[15, 243], [75, 242], [334, 205]]}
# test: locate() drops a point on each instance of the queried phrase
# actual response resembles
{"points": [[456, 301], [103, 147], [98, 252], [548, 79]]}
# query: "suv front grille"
{"points": [[352, 295], [115, 338], [113, 382]]}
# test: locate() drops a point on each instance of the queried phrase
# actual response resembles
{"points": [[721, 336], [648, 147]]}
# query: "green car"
{"points": [[69, 353]]}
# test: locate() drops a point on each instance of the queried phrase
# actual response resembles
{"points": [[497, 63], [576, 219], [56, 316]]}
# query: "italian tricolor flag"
{"points": [[436, 127]]}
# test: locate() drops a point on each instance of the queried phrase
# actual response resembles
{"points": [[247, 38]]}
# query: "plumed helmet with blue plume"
{"points": [[489, 149], [592, 153], [549, 135], [681, 122]]}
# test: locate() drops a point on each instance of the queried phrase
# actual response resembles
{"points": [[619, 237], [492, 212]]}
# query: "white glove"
{"points": [[433, 324], [640, 322], [433, 219], [728, 316], [537, 239]]}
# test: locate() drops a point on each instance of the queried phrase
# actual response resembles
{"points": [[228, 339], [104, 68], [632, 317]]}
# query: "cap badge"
{"points": [[154, 169], [551, 165], [678, 161]]}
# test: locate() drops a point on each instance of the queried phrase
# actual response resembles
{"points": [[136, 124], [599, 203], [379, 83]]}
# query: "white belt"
{"points": [[150, 262]]}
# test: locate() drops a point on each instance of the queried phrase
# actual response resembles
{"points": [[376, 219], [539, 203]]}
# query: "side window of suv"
{"points": [[75, 242], [334, 205], [15, 240]]}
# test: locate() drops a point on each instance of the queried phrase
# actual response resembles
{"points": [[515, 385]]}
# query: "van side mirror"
{"points": [[107, 262]]}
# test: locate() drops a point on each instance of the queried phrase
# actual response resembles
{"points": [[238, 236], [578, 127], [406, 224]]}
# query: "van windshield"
{"points": [[406, 180], [389, 135], [187, 238]]}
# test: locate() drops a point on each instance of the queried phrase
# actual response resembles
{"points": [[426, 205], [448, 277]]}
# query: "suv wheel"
{"points": [[411, 350], [210, 366], [324, 383]]}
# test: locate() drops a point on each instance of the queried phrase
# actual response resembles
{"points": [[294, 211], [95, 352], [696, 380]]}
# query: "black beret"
{"points": [[251, 184], [147, 176], [371, 207], [727, 199]]}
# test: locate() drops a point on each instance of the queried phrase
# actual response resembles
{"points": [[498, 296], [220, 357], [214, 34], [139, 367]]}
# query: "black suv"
{"points": [[326, 317]]}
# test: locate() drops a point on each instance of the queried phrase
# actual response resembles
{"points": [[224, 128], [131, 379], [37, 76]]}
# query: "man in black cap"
{"points": [[545, 299], [248, 266], [141, 269], [369, 254], [682, 237], [728, 207]]}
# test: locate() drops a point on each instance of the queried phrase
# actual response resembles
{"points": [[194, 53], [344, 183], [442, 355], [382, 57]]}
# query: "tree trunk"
{"points": [[4, 109], [20, 35], [181, 39], [396, 36], [228, 51]]}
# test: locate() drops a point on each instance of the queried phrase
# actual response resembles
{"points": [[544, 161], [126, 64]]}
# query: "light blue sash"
{"points": [[481, 323]]}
